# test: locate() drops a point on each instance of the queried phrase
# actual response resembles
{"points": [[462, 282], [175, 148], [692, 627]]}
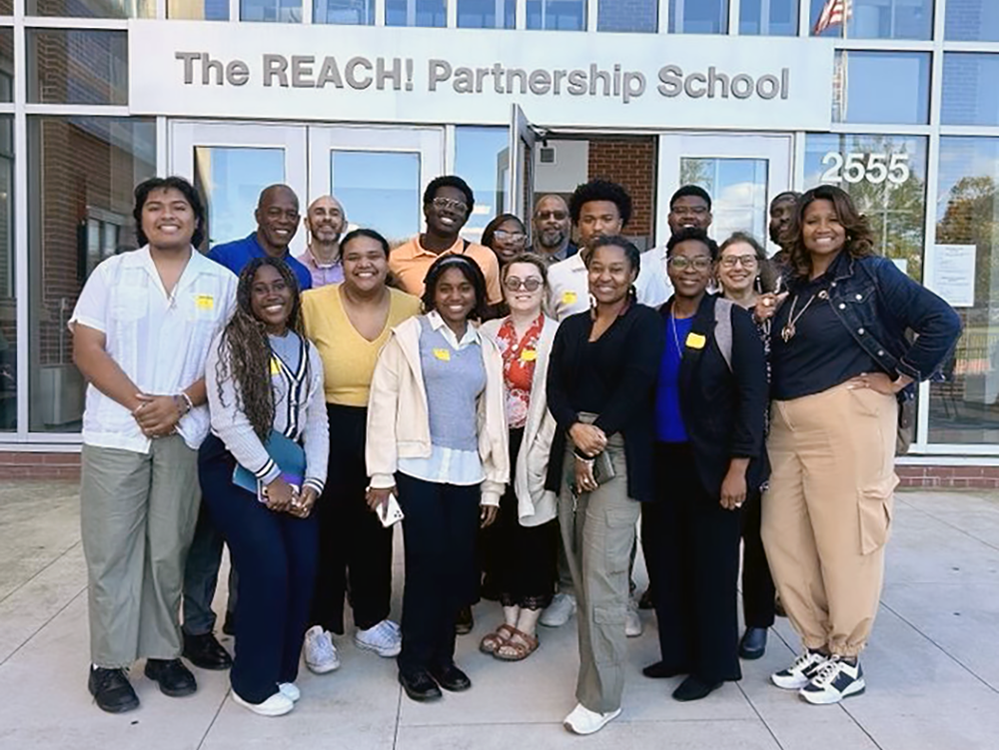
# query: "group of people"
{"points": [[521, 405]]}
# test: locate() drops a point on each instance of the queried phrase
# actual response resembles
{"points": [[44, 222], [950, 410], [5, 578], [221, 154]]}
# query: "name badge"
{"points": [[275, 366], [204, 302], [569, 298], [528, 355], [444, 355], [695, 341]]}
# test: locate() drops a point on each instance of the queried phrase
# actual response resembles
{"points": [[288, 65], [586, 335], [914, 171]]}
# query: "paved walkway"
{"points": [[933, 667]]}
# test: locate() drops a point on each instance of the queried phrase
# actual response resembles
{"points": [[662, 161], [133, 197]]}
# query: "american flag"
{"points": [[833, 12]]}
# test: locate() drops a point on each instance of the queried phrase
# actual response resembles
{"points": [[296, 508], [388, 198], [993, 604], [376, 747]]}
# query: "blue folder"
{"points": [[287, 454]]}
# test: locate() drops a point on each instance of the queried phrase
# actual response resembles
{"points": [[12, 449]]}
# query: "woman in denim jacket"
{"points": [[840, 363]]}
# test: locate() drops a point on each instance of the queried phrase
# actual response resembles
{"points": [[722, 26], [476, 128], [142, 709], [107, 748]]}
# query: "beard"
{"points": [[551, 238]]}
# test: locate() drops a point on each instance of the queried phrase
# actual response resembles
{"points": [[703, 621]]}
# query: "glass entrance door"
{"points": [[741, 173]]}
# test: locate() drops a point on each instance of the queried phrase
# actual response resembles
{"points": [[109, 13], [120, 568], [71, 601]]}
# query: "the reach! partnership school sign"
{"points": [[472, 76]]}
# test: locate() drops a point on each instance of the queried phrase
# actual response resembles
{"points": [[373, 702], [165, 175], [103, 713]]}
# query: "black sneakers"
{"points": [[111, 690], [173, 677]]}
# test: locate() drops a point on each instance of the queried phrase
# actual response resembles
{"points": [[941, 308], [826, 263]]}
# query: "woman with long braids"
{"points": [[265, 393]]}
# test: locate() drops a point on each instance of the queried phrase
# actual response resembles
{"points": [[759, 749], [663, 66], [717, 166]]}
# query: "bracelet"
{"points": [[190, 403], [183, 404]]}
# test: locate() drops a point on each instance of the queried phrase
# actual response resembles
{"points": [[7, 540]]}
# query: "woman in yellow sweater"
{"points": [[349, 323]]}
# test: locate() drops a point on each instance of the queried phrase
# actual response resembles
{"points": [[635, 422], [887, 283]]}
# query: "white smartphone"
{"points": [[390, 513]]}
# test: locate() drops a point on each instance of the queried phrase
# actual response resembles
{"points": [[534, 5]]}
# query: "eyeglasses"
{"points": [[557, 215], [689, 210], [502, 234], [450, 204], [514, 284], [746, 261], [680, 263]]}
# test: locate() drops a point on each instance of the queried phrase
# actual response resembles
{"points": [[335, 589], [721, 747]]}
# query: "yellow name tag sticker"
{"points": [[444, 355], [204, 301], [569, 298], [695, 341], [528, 355], [275, 366]]}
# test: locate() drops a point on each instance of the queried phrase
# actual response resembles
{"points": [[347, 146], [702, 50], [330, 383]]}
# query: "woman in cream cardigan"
{"points": [[523, 543], [437, 439]]}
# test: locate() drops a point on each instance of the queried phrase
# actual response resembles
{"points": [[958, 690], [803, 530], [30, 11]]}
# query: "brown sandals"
{"points": [[493, 641], [517, 647]]}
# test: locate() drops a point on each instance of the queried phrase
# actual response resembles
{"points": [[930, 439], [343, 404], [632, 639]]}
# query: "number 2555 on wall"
{"points": [[874, 168]]}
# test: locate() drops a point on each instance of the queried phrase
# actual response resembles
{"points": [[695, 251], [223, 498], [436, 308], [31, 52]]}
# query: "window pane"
{"points": [[79, 209], [416, 13], [964, 408], [273, 11], [379, 189], [6, 65], [698, 16], [738, 190], [873, 19], [92, 8], [230, 181], [556, 15], [635, 15], [8, 303], [881, 87], [487, 14], [482, 159], [768, 17], [69, 66], [198, 10], [970, 96], [972, 20], [353, 12], [6, 7], [886, 177]]}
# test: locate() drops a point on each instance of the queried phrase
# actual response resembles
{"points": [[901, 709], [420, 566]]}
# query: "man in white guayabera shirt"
{"points": [[141, 331]]}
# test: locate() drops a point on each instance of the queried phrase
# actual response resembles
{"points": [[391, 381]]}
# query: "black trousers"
{"points": [[439, 533], [276, 556], [355, 550], [758, 591], [696, 569]]}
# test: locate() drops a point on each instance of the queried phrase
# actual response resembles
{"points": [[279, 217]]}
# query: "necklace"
{"points": [[789, 329], [676, 338]]}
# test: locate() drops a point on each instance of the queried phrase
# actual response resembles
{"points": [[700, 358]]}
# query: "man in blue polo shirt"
{"points": [[277, 221]]}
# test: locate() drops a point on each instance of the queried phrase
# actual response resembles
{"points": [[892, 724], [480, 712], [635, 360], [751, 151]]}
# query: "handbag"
{"points": [[286, 453], [603, 470]]}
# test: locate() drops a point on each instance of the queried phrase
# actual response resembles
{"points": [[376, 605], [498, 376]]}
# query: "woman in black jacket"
{"points": [[711, 399]]}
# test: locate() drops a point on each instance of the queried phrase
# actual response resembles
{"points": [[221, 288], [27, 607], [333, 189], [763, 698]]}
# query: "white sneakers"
{"points": [[820, 679], [384, 639], [277, 705], [320, 653], [558, 613], [584, 721], [290, 691], [632, 620], [801, 672]]}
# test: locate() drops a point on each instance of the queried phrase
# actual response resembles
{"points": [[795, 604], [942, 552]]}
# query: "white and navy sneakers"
{"points": [[838, 678], [801, 672]]}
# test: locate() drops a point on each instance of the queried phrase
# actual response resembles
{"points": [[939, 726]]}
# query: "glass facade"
{"points": [[972, 21], [628, 15], [481, 156], [873, 19], [768, 17], [271, 11], [698, 16], [970, 96], [77, 66], [91, 8], [8, 299], [556, 15], [860, 93], [198, 10], [352, 12], [487, 14], [416, 12]]}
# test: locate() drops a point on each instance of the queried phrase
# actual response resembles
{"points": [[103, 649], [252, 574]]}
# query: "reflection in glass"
{"points": [[881, 87], [271, 11], [379, 189], [637, 15], [70, 66], [873, 19], [738, 190], [416, 13], [964, 407], [482, 158], [229, 181], [6, 7], [8, 302], [92, 8], [198, 10], [886, 177], [352, 12], [79, 207], [556, 15], [972, 21], [6, 64], [698, 16], [970, 95], [768, 17], [487, 14]]}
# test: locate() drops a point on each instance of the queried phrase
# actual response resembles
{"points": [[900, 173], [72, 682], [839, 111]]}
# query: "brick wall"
{"points": [[949, 477], [16, 465], [632, 163]]}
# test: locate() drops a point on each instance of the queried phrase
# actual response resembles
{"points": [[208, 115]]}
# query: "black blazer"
{"points": [[724, 411]]}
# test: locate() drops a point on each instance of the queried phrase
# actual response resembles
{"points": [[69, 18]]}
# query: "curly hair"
{"points": [[248, 362], [449, 180], [600, 190], [469, 269], [695, 234], [859, 240]]}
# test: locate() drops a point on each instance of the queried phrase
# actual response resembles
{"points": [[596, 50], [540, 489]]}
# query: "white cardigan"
{"points": [[535, 504]]}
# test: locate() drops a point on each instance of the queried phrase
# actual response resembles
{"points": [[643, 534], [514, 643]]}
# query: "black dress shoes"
{"points": [[661, 670], [419, 686], [206, 652], [753, 644], [693, 689], [451, 678], [173, 677], [465, 622], [229, 626], [111, 690]]}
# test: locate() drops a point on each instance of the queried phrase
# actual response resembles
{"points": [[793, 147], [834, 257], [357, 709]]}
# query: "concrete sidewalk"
{"points": [[932, 668]]}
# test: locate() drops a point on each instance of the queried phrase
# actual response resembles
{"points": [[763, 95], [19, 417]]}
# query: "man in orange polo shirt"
{"points": [[447, 204]]}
